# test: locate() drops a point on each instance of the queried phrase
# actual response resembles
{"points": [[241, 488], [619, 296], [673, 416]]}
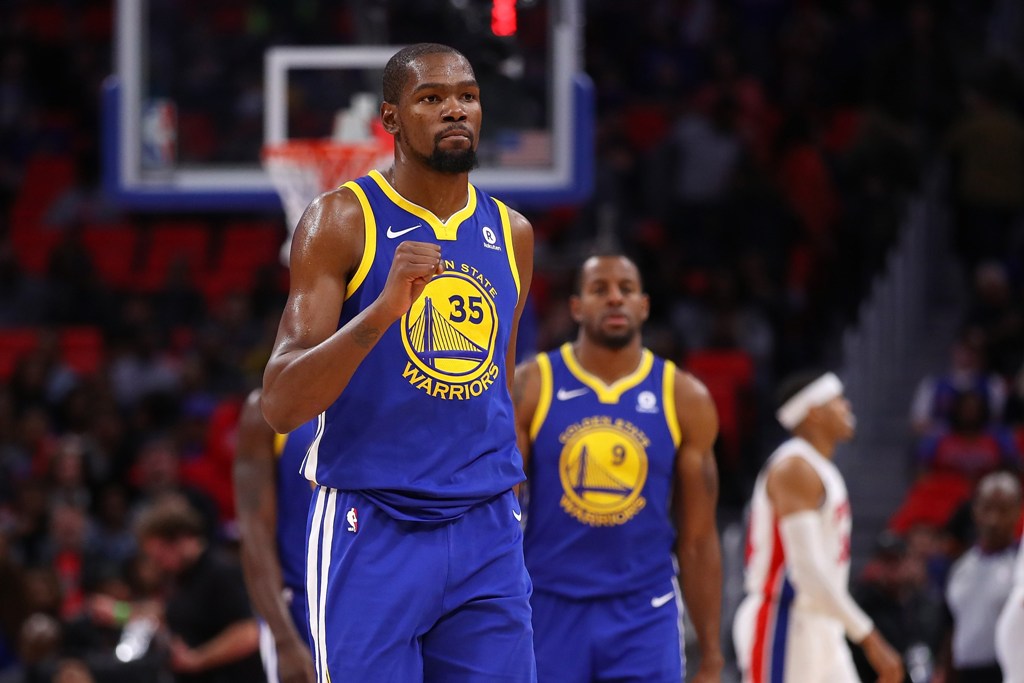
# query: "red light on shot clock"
{"points": [[503, 17]]}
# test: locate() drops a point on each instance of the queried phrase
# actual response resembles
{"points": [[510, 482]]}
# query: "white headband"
{"points": [[818, 392]]}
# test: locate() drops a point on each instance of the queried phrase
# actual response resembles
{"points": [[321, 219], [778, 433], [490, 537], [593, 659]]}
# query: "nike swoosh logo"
{"points": [[565, 395], [661, 600], [517, 515], [392, 233]]}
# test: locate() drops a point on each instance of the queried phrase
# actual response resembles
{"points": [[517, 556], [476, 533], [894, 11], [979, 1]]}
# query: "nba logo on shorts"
{"points": [[352, 517]]}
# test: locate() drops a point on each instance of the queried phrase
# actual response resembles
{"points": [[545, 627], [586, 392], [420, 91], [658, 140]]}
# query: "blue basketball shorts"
{"points": [[631, 637], [394, 600]]}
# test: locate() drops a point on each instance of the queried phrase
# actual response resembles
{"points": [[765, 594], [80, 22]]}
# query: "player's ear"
{"points": [[574, 308], [645, 309], [389, 117]]}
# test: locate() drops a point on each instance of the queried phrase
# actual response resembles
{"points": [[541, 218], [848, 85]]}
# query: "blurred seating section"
{"points": [[754, 158]]}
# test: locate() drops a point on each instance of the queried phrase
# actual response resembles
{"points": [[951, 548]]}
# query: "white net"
{"points": [[302, 169]]}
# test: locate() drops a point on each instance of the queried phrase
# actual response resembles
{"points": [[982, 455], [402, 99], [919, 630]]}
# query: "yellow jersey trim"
{"points": [[279, 441], [506, 230], [369, 240], [443, 230], [668, 399], [608, 393], [544, 400]]}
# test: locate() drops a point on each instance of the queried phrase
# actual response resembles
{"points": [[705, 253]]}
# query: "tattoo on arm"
{"points": [[365, 336], [518, 390]]}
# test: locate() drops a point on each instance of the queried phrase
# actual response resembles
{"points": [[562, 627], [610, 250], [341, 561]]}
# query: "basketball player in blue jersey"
{"points": [[398, 337], [621, 476], [272, 500]]}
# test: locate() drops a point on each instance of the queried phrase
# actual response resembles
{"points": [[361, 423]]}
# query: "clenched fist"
{"points": [[414, 265]]}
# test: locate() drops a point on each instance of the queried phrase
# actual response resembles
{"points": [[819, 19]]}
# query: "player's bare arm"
{"points": [[522, 243], [256, 504], [795, 489], [700, 557], [793, 486], [313, 361], [525, 396]]}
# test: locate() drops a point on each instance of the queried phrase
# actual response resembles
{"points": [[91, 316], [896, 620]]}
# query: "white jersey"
{"points": [[780, 636], [765, 560]]}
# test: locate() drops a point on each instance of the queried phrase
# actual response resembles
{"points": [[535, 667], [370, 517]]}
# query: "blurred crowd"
{"points": [[753, 157]]}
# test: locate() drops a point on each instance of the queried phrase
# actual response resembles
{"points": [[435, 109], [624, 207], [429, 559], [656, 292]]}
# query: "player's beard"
{"points": [[452, 161], [612, 340]]}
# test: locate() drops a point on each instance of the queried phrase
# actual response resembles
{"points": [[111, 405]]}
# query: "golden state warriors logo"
{"points": [[603, 468], [449, 334]]}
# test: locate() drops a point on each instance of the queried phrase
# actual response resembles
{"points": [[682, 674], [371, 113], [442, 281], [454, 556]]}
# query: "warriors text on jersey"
{"points": [[601, 473], [424, 428]]}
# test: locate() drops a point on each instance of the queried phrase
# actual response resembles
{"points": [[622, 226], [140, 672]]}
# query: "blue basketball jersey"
{"points": [[600, 479], [425, 428], [293, 496]]}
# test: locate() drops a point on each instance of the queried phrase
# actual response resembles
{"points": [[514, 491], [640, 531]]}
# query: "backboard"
{"points": [[202, 85]]}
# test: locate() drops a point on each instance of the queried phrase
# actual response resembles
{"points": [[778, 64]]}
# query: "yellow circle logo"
{"points": [[450, 329], [603, 470]]}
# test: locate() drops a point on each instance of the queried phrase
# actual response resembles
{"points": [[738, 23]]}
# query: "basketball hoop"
{"points": [[301, 169]]}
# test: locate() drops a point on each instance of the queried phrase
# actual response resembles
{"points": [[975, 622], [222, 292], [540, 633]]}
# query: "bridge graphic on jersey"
{"points": [[433, 338], [592, 477]]}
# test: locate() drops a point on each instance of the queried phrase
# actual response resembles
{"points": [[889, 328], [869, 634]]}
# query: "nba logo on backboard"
{"points": [[159, 135], [352, 517], [538, 152]]}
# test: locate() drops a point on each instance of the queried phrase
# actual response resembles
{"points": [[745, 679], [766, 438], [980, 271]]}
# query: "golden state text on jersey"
{"points": [[449, 334], [425, 425], [603, 469]]}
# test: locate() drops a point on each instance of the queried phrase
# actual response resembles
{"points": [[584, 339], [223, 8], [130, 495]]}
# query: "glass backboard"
{"points": [[202, 85]]}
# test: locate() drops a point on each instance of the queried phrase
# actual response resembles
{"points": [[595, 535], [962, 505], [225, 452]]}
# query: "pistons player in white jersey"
{"points": [[790, 627]]}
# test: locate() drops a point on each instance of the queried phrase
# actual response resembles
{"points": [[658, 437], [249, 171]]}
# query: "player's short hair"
{"points": [[794, 384], [577, 283], [397, 69], [169, 518]]}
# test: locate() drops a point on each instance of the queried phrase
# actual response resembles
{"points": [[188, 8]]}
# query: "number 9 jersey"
{"points": [[600, 479]]}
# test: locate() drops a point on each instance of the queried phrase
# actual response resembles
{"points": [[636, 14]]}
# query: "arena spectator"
{"points": [[935, 395], [971, 446], [214, 635], [895, 591], [950, 462], [980, 582]]}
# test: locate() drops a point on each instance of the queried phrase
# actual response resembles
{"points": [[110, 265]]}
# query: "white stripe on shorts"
{"points": [[325, 568], [680, 622], [312, 555], [312, 459], [268, 653]]}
